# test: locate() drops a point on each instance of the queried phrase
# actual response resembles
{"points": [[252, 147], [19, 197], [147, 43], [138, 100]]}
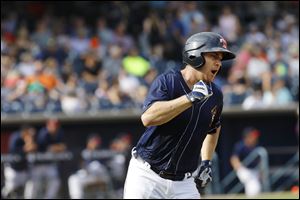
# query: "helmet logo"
{"points": [[223, 43]]}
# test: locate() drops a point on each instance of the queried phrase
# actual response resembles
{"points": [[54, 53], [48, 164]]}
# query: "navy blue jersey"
{"points": [[16, 145], [242, 151], [45, 140], [175, 146]]}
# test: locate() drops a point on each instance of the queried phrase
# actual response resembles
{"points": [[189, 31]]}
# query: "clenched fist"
{"points": [[200, 92]]}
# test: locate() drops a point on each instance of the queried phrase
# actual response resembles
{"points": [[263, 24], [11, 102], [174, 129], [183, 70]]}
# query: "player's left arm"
{"points": [[208, 148], [212, 136], [209, 145]]}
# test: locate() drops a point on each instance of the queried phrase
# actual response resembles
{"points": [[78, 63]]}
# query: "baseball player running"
{"points": [[182, 117]]}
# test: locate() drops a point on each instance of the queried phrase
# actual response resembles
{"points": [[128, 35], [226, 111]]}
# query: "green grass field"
{"points": [[273, 195]]}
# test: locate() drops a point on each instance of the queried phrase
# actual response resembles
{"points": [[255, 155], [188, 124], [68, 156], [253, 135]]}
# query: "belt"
{"points": [[161, 173]]}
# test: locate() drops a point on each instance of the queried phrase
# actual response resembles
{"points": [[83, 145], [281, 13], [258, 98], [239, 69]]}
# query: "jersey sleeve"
{"points": [[216, 122], [158, 91]]}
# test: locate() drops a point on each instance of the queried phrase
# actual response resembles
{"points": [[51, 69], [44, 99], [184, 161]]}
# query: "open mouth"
{"points": [[214, 71]]}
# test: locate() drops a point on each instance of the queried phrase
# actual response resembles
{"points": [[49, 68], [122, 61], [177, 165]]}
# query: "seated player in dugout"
{"points": [[182, 116], [248, 174]]}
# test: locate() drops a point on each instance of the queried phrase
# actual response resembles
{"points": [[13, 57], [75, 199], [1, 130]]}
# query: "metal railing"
{"points": [[281, 179], [290, 170], [263, 167], [37, 157]]}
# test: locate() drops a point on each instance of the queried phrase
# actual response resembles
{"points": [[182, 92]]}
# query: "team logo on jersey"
{"points": [[223, 43], [213, 114]]}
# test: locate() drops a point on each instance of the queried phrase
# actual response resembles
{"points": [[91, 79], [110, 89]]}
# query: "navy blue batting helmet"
{"points": [[202, 42]]}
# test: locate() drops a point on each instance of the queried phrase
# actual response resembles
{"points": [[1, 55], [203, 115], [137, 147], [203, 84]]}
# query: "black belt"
{"points": [[164, 174]]}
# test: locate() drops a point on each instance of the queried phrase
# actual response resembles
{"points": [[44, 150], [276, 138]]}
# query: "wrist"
{"points": [[206, 162], [190, 97]]}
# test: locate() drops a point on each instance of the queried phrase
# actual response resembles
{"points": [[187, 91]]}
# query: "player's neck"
{"points": [[191, 76]]}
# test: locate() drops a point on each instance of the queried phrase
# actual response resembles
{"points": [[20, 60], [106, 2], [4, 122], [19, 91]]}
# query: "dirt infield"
{"points": [[273, 195]]}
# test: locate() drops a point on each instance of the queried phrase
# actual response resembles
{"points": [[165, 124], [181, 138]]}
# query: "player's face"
{"points": [[212, 65], [251, 141]]}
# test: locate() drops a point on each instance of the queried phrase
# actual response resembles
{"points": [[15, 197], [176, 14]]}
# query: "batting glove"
{"points": [[204, 176], [200, 92]]}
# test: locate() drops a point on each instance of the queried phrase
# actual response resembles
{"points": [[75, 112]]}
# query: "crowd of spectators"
{"points": [[105, 55]]}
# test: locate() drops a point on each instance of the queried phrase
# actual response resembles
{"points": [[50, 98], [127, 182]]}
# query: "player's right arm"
{"points": [[162, 112], [235, 162], [243, 173]]}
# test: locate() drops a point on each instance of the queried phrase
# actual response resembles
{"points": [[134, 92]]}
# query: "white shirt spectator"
{"points": [[255, 36], [229, 25], [256, 67], [80, 43], [253, 101]]}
